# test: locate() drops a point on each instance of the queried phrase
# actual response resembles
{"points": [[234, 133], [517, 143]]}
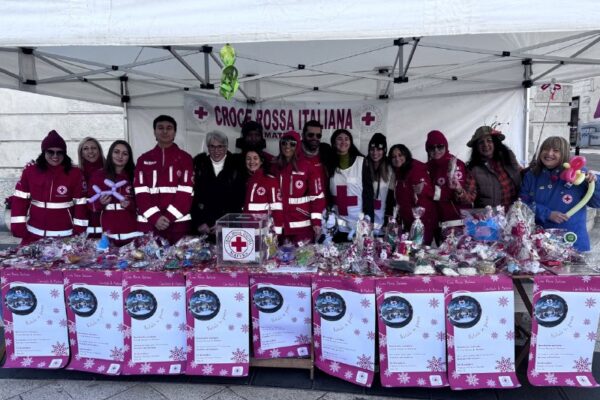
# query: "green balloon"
{"points": [[227, 55]]}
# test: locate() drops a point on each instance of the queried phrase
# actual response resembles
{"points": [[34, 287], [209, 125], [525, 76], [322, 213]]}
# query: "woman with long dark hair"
{"points": [[301, 191], [49, 199], [117, 213], [350, 183], [91, 159], [413, 188], [381, 175], [495, 174]]}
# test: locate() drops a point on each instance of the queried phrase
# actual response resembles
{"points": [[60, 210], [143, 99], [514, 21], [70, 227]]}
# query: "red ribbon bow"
{"points": [[555, 87]]}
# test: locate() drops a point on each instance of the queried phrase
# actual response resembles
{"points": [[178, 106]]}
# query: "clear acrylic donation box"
{"points": [[240, 238]]}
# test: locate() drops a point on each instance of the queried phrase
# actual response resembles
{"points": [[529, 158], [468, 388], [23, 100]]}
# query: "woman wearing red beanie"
{"points": [[49, 199], [448, 174], [301, 191]]}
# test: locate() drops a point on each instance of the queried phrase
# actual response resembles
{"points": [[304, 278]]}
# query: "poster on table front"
{"points": [[563, 332], [412, 331], [154, 323], [281, 315], [344, 327], [95, 317], [481, 337], [218, 324], [35, 319]]}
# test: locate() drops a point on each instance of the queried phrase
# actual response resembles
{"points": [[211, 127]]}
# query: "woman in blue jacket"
{"points": [[551, 197]]}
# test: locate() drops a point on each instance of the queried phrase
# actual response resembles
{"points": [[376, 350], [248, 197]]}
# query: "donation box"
{"points": [[241, 238]]}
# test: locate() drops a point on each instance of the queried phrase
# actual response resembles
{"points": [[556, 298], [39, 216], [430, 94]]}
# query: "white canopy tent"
{"points": [[448, 65]]}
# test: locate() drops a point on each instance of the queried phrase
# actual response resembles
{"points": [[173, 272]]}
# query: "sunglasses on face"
{"points": [[312, 135], [377, 146], [437, 147], [288, 142], [53, 153]]}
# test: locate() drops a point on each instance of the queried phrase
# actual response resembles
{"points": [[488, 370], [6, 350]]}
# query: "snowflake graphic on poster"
{"points": [[117, 354], [587, 321], [450, 341], [348, 374], [131, 363], [534, 373], [62, 323], [176, 314], [161, 371], [357, 332], [434, 303], [425, 335], [378, 290], [78, 357], [188, 349], [365, 302], [145, 368], [231, 327], [177, 354], [127, 332], [364, 361], [435, 364], [223, 372], [472, 379], [89, 363], [334, 366], [569, 382], [8, 327], [365, 320], [245, 328], [317, 330], [590, 302], [446, 289], [582, 365], [255, 338], [533, 339], [66, 281], [455, 374], [115, 313], [239, 296], [100, 369], [316, 344], [510, 335], [421, 382], [490, 383], [314, 286], [13, 356], [530, 356], [294, 319], [494, 335], [403, 378], [8, 342], [302, 339], [2, 280], [307, 321], [108, 326], [54, 293], [181, 327], [550, 378], [274, 353], [450, 358], [55, 310], [176, 296], [193, 364], [433, 321], [49, 322], [301, 294], [382, 357], [494, 278], [125, 283], [126, 347], [255, 323], [169, 274], [26, 362], [233, 274], [426, 279], [441, 336], [503, 321], [190, 333], [290, 353], [41, 364], [60, 349], [591, 336], [503, 301], [108, 273], [371, 335], [358, 280], [382, 340], [576, 335], [238, 315], [239, 356], [387, 372], [260, 351], [586, 278], [207, 369], [188, 283], [115, 295], [504, 365]]}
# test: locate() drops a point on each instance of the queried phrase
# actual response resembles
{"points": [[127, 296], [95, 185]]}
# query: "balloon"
{"points": [[112, 192], [229, 78], [572, 172], [584, 200]]}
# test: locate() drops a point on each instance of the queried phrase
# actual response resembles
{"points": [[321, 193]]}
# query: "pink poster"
{"points": [[412, 332], [95, 314], [481, 338], [344, 327], [35, 319], [218, 324], [281, 322], [154, 323], [563, 333]]}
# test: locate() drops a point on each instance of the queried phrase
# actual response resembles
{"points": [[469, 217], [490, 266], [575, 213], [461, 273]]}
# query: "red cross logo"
{"points": [[343, 200], [368, 118], [567, 199], [377, 204], [238, 244], [201, 113]]}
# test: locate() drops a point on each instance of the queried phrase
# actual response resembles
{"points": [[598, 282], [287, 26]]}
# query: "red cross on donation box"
{"points": [[241, 238], [343, 201]]}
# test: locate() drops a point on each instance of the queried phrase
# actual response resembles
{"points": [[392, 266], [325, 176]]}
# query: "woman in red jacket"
{"points": [[449, 175], [117, 216], [91, 159], [413, 188], [301, 191], [262, 190], [49, 199]]}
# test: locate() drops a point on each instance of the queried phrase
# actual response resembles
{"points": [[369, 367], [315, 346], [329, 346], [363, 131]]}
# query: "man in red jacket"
{"points": [[315, 152], [163, 184]]}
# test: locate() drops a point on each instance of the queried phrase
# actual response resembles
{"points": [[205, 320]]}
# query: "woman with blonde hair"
{"points": [[551, 197], [91, 159]]}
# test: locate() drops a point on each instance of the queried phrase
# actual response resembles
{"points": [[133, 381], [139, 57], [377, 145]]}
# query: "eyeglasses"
{"points": [[377, 146], [437, 147], [216, 147], [288, 142], [53, 153], [312, 135]]}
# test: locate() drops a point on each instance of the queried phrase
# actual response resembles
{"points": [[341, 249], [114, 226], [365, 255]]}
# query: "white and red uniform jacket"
{"points": [[302, 197], [48, 203], [163, 185], [380, 190], [118, 223], [263, 194]]}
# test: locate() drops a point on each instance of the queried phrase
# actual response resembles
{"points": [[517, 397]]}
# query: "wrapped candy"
{"points": [[417, 229]]}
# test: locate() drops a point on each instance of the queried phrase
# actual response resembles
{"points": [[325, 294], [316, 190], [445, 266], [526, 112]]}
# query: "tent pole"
{"points": [[187, 66], [527, 83], [578, 52]]}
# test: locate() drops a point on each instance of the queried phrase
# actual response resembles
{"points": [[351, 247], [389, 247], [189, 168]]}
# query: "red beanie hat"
{"points": [[53, 139], [291, 135], [435, 138]]}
